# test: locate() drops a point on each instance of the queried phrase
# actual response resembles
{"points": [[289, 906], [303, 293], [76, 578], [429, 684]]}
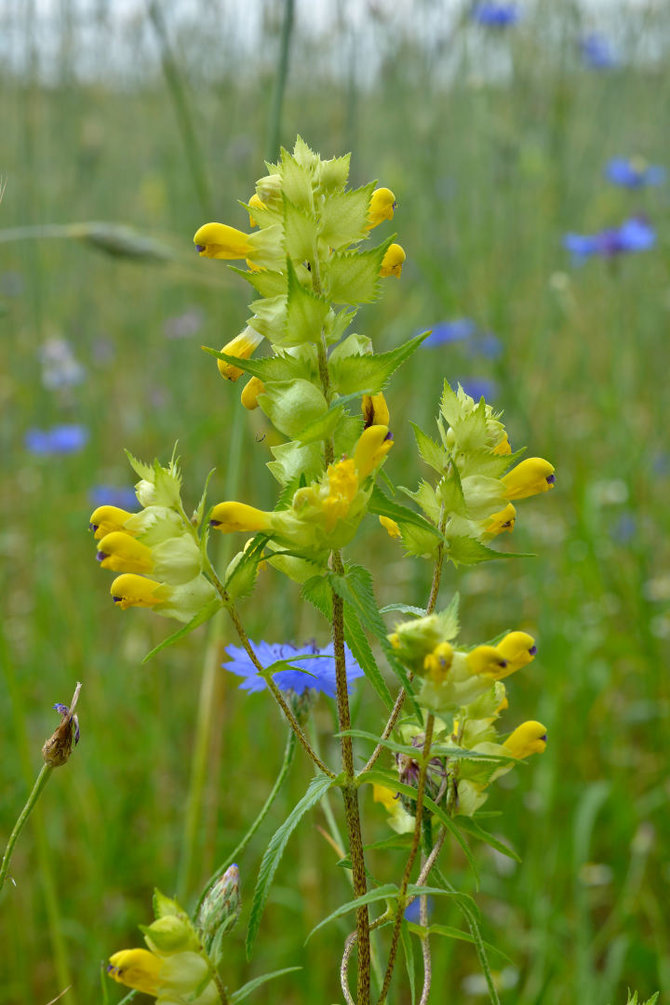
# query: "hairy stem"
{"points": [[350, 795], [416, 841]]}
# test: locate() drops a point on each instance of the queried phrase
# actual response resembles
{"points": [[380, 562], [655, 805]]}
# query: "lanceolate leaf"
{"points": [[431, 452], [358, 643], [382, 505], [250, 986], [356, 373], [199, 619], [273, 854], [267, 369], [388, 891]]}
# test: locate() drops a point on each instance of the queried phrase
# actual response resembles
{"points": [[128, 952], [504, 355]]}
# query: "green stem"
{"points": [[38, 787], [416, 841], [289, 754], [350, 794], [182, 109], [274, 125]]}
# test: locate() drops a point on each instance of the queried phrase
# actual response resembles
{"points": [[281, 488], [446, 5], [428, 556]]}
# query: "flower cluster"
{"points": [[177, 967], [302, 668], [156, 550], [634, 234], [471, 501]]}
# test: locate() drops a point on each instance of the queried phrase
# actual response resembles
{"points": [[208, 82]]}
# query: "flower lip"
{"points": [[101, 556], [199, 247], [551, 479], [533, 650]]}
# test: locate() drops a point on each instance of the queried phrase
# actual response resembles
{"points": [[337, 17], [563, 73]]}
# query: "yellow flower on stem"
{"points": [[106, 519], [501, 521], [242, 346], [528, 738], [218, 240], [393, 260], [504, 447], [342, 489], [257, 203], [136, 968], [438, 663], [250, 392], [120, 552], [530, 477], [390, 526], [373, 445], [233, 516], [375, 410], [382, 204], [518, 649], [131, 590]]}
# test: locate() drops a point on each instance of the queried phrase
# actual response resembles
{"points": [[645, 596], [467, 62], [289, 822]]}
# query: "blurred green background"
{"points": [[494, 142]]}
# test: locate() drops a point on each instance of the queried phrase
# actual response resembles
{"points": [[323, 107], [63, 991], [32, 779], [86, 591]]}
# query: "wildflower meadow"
{"points": [[336, 576]]}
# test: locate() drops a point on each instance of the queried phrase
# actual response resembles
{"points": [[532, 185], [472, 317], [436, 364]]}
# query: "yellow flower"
{"points": [[485, 660], [242, 347], [503, 520], [400, 820], [136, 968], [257, 203], [231, 516], [382, 204], [518, 650], [528, 478], [218, 240], [342, 488], [105, 519], [390, 526], [392, 261], [250, 392], [375, 410], [121, 552], [528, 738], [438, 663], [131, 590], [373, 445]]}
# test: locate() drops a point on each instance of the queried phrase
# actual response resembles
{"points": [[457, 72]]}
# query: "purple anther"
{"points": [[117, 600], [101, 556], [214, 523], [551, 479], [532, 650], [93, 526], [200, 247], [60, 707], [544, 737], [389, 436]]}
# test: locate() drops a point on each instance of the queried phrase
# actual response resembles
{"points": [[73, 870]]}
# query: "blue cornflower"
{"points": [[451, 331], [413, 910], [486, 344], [634, 234], [478, 387], [597, 53], [109, 495], [633, 172], [495, 15], [318, 669], [68, 439]]}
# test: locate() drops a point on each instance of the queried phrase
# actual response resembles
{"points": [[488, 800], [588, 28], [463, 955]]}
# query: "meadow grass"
{"points": [[488, 176]]}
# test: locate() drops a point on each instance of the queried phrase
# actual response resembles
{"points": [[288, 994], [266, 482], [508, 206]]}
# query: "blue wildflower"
{"points": [[495, 15], [597, 53], [486, 344], [451, 331], [413, 910], [109, 495], [318, 667], [633, 172], [68, 439], [478, 387], [634, 234]]}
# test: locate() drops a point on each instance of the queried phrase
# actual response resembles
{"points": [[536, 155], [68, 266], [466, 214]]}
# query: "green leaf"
{"points": [[353, 278], [344, 217], [292, 405], [200, 509], [471, 826], [425, 497], [273, 854], [370, 372], [294, 459], [383, 506], [145, 471], [199, 619], [257, 982], [327, 423], [296, 182], [266, 282], [449, 493], [471, 915], [419, 542], [267, 369], [337, 323], [358, 643], [305, 312], [420, 612], [436, 750], [389, 890], [452, 933], [300, 231], [469, 551], [431, 452]]}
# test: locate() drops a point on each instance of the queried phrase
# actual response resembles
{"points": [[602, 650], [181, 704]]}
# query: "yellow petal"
{"points": [[486, 660], [528, 478], [382, 204], [375, 410], [136, 968], [218, 240], [503, 520], [518, 649], [121, 552], [392, 261], [131, 590], [231, 516], [390, 526], [257, 203], [105, 519], [528, 738], [504, 447], [242, 347], [373, 445], [250, 392]]}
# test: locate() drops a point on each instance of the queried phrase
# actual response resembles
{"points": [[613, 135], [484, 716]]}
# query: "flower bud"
{"points": [[232, 516], [382, 204], [221, 907], [242, 346], [250, 392], [528, 738]]}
